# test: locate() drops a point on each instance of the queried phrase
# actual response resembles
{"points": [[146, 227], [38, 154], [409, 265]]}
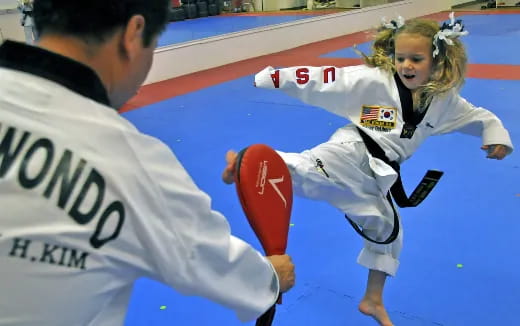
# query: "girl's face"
{"points": [[413, 59]]}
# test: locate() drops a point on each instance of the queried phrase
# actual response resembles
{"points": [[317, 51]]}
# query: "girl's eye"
{"points": [[400, 59], [417, 59]]}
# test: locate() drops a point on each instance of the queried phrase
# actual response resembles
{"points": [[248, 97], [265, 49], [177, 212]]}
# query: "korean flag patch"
{"points": [[387, 114]]}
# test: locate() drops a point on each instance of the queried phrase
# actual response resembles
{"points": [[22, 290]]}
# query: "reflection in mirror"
{"points": [[193, 20]]}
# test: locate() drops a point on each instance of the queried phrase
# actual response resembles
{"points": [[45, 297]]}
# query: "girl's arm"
{"points": [[330, 88], [469, 119]]}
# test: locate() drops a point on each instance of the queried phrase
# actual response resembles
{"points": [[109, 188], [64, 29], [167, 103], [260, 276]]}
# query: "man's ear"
{"points": [[132, 37]]}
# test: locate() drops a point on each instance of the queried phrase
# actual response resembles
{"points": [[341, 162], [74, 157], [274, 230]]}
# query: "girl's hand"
{"points": [[229, 171], [497, 151]]}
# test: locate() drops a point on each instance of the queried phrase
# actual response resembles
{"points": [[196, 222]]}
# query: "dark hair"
{"points": [[95, 20]]}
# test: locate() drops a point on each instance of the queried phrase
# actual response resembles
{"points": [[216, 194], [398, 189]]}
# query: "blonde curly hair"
{"points": [[448, 67]]}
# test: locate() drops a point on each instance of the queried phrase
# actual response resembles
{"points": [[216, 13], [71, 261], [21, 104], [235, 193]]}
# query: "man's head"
{"points": [[116, 38], [96, 20]]}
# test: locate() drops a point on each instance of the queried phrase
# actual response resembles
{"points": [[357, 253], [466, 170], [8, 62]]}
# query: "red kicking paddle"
{"points": [[264, 187]]}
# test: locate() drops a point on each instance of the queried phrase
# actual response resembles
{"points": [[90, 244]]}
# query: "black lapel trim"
{"points": [[69, 73], [405, 96], [410, 117]]}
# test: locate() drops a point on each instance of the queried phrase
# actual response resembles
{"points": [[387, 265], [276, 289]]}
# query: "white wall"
{"points": [[10, 21], [291, 3], [459, 2], [274, 5], [10, 26], [507, 2], [8, 4], [203, 54]]}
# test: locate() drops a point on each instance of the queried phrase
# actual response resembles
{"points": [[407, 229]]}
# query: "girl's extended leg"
{"points": [[29, 35], [342, 174]]}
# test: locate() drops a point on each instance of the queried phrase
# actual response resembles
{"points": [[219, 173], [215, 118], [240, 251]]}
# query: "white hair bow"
{"points": [[447, 32], [394, 24]]}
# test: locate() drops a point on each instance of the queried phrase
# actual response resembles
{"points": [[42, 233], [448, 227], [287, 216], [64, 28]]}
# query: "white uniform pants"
{"points": [[357, 185], [29, 35]]}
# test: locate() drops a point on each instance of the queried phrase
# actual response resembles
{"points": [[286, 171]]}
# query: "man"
{"points": [[89, 204]]}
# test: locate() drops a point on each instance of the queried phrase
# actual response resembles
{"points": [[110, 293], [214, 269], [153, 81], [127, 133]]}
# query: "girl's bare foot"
{"points": [[376, 310]]}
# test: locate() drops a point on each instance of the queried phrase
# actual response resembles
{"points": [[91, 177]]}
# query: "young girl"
{"points": [[405, 92], [26, 8]]}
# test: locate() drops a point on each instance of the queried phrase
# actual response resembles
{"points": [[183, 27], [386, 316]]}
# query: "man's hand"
{"points": [[229, 171], [285, 269]]}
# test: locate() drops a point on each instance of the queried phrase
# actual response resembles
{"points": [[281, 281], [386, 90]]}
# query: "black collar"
{"points": [[57, 68], [411, 117]]}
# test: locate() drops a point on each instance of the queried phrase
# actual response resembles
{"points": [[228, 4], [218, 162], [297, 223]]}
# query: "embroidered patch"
{"points": [[380, 118]]}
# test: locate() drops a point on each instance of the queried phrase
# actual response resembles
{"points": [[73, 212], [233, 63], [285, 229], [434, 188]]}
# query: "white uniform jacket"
{"points": [[88, 204], [342, 171], [369, 98], [26, 8]]}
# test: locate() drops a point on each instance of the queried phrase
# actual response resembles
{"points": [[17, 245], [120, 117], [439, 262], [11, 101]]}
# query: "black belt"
{"points": [[397, 190]]}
